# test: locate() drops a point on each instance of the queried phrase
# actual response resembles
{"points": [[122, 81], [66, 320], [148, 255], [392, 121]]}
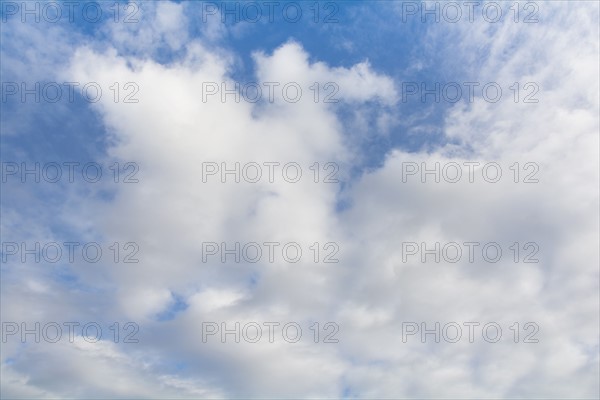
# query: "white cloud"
{"points": [[370, 292]]}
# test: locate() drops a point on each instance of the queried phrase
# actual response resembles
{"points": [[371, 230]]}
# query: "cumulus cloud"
{"points": [[172, 293]]}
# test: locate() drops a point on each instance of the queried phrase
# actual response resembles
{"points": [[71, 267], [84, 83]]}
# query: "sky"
{"points": [[300, 199]]}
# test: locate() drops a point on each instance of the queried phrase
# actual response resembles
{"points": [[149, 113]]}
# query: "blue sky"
{"points": [[391, 50], [156, 219]]}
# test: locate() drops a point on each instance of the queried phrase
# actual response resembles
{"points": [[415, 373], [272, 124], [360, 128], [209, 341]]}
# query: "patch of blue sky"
{"points": [[49, 132], [254, 279], [178, 305]]}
